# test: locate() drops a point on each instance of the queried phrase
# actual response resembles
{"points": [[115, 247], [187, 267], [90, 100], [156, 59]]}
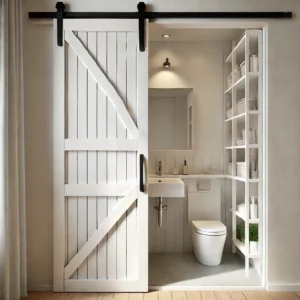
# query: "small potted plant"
{"points": [[253, 236]]}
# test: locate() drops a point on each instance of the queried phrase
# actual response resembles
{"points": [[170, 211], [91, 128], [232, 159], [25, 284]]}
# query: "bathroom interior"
{"points": [[205, 157]]}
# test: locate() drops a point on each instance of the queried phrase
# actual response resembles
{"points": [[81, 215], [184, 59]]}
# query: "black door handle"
{"points": [[142, 173]]}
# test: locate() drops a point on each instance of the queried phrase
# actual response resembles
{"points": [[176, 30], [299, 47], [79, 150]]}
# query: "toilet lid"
{"points": [[209, 227]]}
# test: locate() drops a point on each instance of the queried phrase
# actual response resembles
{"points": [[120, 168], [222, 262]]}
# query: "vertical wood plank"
{"points": [[162, 231], [152, 225], [72, 155], [187, 232], [59, 250], [92, 155], [170, 225], [102, 156], [112, 155], [131, 156], [179, 225], [121, 155], [142, 117], [82, 155]]}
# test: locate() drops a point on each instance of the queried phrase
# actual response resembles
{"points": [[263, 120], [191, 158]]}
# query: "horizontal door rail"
{"points": [[101, 190], [165, 15], [101, 144], [142, 15], [103, 285]]}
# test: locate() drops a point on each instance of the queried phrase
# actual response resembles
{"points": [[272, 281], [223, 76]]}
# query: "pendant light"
{"points": [[167, 64]]}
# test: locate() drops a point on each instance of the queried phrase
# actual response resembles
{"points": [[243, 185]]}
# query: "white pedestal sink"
{"points": [[165, 187]]}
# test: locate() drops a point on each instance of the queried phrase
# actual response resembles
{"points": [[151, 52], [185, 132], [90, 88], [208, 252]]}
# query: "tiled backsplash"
{"points": [[197, 163]]}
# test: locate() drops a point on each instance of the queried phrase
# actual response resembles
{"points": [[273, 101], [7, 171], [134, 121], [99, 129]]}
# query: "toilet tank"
{"points": [[204, 201]]}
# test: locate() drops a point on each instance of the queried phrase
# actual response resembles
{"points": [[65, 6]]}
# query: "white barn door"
{"points": [[100, 131]]}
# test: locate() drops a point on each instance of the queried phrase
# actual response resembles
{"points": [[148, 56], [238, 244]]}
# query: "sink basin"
{"points": [[165, 187]]}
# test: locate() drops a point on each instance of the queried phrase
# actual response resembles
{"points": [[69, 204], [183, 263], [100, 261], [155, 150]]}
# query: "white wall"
{"points": [[283, 130], [200, 66], [196, 65]]}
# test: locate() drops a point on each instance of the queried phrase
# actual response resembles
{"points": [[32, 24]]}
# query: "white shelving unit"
{"points": [[248, 86]]}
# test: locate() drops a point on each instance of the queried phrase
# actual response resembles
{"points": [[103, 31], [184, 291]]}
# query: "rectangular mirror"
{"points": [[170, 119]]}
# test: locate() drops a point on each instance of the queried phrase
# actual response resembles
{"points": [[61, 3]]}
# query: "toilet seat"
{"points": [[209, 227]]}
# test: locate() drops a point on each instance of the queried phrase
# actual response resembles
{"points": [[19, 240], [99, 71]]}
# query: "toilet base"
{"points": [[208, 249]]}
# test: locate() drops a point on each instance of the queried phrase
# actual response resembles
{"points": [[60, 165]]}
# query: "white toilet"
{"points": [[208, 241], [204, 213]]}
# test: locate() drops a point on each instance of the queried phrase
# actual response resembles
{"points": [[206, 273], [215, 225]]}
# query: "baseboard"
{"points": [[283, 287], [40, 288], [205, 288]]}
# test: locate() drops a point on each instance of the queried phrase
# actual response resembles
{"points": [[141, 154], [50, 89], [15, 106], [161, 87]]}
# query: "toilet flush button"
{"points": [[204, 186]]}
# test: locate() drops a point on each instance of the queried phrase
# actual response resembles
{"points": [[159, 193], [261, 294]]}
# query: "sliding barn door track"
{"points": [[142, 14]]}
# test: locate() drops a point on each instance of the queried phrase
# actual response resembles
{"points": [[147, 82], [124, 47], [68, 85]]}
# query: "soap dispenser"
{"points": [[253, 209], [185, 168]]}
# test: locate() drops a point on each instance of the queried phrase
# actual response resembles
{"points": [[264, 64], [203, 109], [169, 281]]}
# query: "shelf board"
{"points": [[238, 49], [190, 176], [242, 179], [252, 146], [240, 84], [251, 221], [242, 248], [251, 112]]}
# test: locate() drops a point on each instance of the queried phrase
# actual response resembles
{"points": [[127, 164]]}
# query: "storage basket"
{"points": [[229, 113], [241, 169], [241, 107]]}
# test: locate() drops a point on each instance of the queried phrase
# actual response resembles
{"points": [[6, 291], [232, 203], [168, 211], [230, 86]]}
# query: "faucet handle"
{"points": [[159, 168]]}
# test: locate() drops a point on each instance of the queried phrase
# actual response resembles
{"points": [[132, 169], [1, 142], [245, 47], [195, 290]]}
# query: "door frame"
{"points": [[238, 24]]}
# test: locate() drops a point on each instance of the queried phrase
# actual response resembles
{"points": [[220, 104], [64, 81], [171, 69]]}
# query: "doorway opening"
{"points": [[206, 140]]}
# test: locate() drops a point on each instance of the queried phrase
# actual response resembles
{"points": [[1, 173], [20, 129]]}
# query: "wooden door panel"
{"points": [[100, 238]]}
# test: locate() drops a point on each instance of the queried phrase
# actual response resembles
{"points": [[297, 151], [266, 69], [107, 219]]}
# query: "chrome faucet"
{"points": [[159, 169]]}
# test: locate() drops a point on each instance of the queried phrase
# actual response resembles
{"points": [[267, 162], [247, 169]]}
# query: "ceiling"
{"points": [[192, 34]]}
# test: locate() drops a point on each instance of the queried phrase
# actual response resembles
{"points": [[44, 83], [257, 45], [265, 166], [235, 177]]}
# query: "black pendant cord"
{"points": [[142, 15]]}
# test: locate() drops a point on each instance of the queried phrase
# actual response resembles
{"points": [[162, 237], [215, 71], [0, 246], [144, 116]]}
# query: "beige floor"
{"points": [[189, 295]]}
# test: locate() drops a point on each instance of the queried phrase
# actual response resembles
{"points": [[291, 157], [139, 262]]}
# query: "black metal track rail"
{"points": [[164, 15], [142, 15]]}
